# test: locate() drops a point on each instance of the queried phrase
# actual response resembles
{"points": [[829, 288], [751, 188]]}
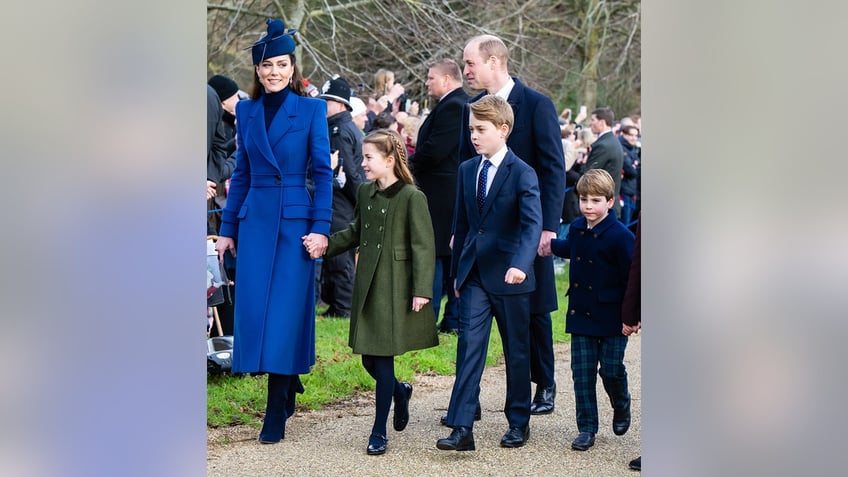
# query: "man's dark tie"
{"points": [[481, 184]]}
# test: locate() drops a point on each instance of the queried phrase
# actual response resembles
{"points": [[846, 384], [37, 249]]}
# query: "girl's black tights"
{"points": [[382, 369]]}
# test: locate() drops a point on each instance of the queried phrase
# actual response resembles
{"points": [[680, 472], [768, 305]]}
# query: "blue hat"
{"points": [[278, 41]]}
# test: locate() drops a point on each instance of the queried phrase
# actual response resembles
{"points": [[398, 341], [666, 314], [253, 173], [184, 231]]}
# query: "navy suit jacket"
{"points": [[507, 231], [537, 140]]}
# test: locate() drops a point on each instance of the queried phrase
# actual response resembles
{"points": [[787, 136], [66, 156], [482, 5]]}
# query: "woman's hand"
{"points": [[315, 244], [222, 245], [418, 302]]}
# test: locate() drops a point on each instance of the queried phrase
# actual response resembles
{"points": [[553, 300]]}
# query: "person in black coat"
{"points": [[537, 140], [630, 172], [337, 273], [606, 151], [434, 167]]}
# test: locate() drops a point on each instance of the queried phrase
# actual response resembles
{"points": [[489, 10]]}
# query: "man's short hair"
{"points": [[447, 67], [490, 45], [596, 182], [605, 114], [495, 110]]}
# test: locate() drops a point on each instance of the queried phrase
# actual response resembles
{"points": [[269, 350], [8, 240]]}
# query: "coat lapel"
{"points": [[256, 129], [500, 177], [282, 122]]}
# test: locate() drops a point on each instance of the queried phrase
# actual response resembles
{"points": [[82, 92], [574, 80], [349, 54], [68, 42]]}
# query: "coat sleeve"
{"points": [[351, 159], [550, 169], [239, 181], [423, 246], [631, 308], [348, 238], [530, 211], [459, 229], [322, 174], [443, 139]]}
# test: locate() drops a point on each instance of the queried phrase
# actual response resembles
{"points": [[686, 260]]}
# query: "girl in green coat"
{"points": [[391, 311]]}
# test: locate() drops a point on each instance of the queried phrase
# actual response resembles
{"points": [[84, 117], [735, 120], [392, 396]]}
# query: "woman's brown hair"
{"points": [[296, 83]]}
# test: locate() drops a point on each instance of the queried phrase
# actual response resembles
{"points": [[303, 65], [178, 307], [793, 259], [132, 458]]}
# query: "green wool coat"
{"points": [[397, 260]]}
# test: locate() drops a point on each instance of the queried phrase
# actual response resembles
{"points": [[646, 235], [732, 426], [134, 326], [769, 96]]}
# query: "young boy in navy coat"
{"points": [[600, 248], [497, 227]]}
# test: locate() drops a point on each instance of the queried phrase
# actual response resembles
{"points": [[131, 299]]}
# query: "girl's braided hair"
{"points": [[388, 142]]}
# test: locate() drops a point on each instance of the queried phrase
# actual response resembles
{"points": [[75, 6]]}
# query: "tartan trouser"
{"points": [[586, 353]]}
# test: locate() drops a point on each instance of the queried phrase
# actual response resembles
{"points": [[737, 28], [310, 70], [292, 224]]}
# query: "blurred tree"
{"points": [[576, 51]]}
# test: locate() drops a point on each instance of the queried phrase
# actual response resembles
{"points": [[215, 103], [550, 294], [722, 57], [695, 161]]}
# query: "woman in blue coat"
{"points": [[282, 143]]}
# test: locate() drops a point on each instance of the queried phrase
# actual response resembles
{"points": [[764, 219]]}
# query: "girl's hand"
{"points": [[418, 302]]}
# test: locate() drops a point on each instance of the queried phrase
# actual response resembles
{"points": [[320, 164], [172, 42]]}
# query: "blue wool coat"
{"points": [[268, 210], [599, 264]]}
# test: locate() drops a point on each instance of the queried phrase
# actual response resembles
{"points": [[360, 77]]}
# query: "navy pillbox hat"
{"points": [[278, 41]]}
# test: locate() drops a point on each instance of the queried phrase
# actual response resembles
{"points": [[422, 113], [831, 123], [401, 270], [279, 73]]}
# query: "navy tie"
{"points": [[481, 184]]}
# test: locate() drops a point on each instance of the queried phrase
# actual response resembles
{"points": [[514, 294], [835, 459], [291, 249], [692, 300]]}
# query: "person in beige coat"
{"points": [[392, 311]]}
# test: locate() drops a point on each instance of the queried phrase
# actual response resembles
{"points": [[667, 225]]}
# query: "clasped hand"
{"points": [[315, 244]]}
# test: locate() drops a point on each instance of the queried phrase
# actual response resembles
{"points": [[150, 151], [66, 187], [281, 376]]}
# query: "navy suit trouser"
{"points": [[542, 350], [512, 314]]}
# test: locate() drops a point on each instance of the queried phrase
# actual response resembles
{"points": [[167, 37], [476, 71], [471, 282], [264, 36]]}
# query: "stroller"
{"points": [[219, 349]]}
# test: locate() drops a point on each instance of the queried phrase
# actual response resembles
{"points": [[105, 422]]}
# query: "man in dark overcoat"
{"points": [[434, 166]]}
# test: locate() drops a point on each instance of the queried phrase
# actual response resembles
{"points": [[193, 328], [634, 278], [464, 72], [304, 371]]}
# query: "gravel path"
{"points": [[332, 441]]}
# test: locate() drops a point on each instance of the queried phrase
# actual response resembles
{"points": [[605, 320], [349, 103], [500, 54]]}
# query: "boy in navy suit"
{"points": [[497, 228], [600, 248]]}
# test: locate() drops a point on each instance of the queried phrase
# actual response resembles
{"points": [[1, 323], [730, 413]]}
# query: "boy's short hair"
{"points": [[596, 182], [495, 110]]}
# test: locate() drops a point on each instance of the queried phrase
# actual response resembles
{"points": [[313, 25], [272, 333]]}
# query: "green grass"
{"points": [[338, 373]]}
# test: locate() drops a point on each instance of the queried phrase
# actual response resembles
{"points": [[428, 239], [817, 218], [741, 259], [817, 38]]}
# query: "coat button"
{"points": [[364, 243], [576, 285], [380, 228], [378, 245], [590, 287], [480, 232], [596, 235], [279, 180], [581, 232], [383, 210], [369, 207], [571, 312], [578, 259], [367, 225]]}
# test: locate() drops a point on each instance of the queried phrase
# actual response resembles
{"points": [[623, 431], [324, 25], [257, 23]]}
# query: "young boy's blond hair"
{"points": [[493, 109], [596, 182]]}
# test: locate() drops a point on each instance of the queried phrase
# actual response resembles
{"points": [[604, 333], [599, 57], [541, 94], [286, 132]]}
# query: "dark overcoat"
{"points": [[537, 140], [606, 154], [392, 229], [598, 268], [435, 162], [268, 210]]}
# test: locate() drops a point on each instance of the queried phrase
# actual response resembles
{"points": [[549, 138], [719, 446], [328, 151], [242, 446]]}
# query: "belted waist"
{"points": [[278, 180]]}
